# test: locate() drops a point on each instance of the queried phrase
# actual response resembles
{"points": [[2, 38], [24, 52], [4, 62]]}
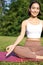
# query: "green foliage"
{"points": [[10, 23]]}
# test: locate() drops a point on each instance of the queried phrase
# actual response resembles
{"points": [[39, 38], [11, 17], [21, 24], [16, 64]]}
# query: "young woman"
{"points": [[33, 27]]}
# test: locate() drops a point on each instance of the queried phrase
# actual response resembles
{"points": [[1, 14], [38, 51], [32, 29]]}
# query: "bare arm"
{"points": [[21, 36], [42, 24], [10, 48]]}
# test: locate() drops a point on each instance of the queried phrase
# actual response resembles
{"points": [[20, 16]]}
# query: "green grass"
{"points": [[7, 40]]}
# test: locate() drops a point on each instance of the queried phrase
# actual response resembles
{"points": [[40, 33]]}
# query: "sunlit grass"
{"points": [[7, 40]]}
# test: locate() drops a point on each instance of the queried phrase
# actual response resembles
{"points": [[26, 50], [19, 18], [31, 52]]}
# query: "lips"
{"points": [[35, 13]]}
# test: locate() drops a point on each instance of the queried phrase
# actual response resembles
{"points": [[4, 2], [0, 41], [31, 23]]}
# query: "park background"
{"points": [[12, 13]]}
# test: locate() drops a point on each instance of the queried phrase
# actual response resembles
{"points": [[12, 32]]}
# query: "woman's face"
{"points": [[35, 9]]}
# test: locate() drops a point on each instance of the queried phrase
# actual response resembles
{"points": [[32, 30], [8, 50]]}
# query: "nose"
{"points": [[35, 10]]}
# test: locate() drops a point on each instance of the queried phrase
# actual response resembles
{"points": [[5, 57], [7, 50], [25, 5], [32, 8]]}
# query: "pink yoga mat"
{"points": [[13, 58]]}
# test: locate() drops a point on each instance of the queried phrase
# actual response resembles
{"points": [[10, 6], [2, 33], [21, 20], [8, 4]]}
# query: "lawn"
{"points": [[7, 40]]}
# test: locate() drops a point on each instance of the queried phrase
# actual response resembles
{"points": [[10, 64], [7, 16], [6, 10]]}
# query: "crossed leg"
{"points": [[24, 52], [40, 51]]}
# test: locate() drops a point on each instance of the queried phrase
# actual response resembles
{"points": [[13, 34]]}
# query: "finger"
{"points": [[8, 53], [7, 48]]}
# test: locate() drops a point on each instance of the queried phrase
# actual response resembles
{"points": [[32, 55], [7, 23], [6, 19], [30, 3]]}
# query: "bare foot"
{"points": [[39, 57]]}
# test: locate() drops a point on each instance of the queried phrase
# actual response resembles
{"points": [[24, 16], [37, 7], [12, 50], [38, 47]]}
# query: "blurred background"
{"points": [[12, 13]]}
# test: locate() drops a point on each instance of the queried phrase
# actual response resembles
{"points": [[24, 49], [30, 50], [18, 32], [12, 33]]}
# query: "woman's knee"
{"points": [[16, 48]]}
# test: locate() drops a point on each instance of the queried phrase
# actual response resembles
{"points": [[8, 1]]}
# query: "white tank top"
{"points": [[34, 31]]}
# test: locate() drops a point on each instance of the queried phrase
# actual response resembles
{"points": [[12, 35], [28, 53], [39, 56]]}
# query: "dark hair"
{"points": [[31, 5]]}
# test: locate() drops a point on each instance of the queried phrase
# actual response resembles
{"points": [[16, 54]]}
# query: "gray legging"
{"points": [[27, 50]]}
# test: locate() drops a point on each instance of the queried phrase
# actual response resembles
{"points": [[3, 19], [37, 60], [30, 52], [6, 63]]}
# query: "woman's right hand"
{"points": [[9, 49]]}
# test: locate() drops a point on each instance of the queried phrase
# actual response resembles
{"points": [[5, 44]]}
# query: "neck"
{"points": [[33, 18]]}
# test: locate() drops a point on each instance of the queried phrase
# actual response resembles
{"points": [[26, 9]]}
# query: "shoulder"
{"points": [[25, 22], [41, 21]]}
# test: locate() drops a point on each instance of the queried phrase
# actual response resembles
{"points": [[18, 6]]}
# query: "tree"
{"points": [[11, 21]]}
